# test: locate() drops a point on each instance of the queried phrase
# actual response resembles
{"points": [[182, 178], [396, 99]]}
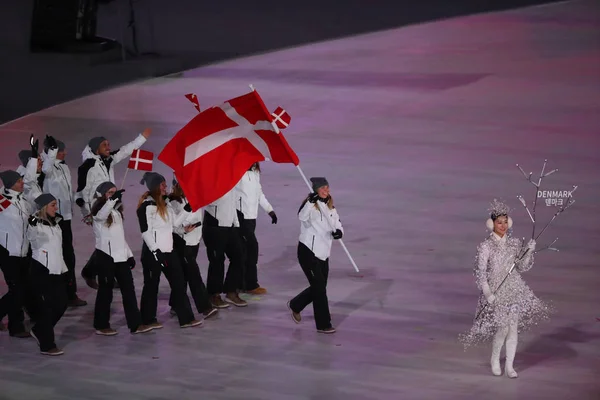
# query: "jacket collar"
{"points": [[10, 194]]}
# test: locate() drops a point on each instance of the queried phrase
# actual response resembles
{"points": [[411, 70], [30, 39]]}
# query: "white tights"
{"points": [[508, 334]]}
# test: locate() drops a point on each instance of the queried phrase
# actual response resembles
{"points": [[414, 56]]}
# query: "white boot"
{"points": [[496, 349], [511, 350]]}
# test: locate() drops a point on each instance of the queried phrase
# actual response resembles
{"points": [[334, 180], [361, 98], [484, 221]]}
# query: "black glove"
{"points": [[32, 221], [188, 208], [131, 262], [50, 142], [118, 195], [337, 234], [160, 257], [313, 198], [35, 145], [273, 217], [80, 202]]}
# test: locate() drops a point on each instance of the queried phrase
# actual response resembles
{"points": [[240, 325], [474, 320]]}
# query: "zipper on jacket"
{"points": [[154, 236], [216, 207], [242, 211], [7, 242], [312, 246], [109, 249], [46, 259]]}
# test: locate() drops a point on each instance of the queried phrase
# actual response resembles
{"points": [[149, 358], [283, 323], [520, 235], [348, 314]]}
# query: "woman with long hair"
{"points": [[314, 249], [186, 240], [157, 221], [115, 261], [48, 272]]}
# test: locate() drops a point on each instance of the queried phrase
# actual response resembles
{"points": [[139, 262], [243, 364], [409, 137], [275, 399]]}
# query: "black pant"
{"points": [[316, 272], [16, 271], [108, 270], [90, 269], [250, 272], [221, 241], [191, 274], [69, 257], [50, 295], [174, 274]]}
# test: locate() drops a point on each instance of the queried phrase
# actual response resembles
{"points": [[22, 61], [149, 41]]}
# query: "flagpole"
{"points": [[124, 176], [331, 224]]}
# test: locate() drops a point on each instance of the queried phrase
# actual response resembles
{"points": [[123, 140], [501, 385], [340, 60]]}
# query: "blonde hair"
{"points": [[161, 205]]}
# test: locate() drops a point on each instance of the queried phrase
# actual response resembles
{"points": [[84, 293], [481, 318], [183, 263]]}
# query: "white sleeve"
{"points": [[483, 255], [30, 180], [105, 211], [304, 213], [48, 164], [125, 151]]}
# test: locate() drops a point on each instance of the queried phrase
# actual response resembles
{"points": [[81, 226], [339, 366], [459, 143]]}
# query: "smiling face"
{"points": [[51, 209], [323, 192], [110, 192], [104, 149], [163, 188], [501, 225]]}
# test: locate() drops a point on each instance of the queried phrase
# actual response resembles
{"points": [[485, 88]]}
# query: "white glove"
{"points": [[531, 245]]}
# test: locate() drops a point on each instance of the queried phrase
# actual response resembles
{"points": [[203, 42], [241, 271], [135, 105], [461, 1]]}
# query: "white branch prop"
{"points": [[320, 205]]}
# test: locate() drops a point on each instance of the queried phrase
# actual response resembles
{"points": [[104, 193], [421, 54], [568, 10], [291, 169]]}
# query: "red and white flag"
{"points": [[213, 151], [194, 99], [281, 118], [141, 160], [4, 203]]}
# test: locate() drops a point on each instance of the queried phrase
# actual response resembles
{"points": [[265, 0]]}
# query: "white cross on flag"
{"points": [[4, 203], [281, 118], [194, 99], [141, 160], [213, 151]]}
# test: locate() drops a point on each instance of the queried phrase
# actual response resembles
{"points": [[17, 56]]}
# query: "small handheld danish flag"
{"points": [[194, 99], [141, 160], [281, 118], [4, 203]]}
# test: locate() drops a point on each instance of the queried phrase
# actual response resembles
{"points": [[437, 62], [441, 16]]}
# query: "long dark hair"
{"points": [[177, 193], [161, 205], [99, 203]]}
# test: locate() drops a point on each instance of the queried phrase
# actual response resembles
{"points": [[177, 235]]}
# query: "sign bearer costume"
{"points": [[509, 308]]}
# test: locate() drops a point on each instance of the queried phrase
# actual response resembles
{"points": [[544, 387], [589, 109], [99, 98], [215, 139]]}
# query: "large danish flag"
{"points": [[213, 151]]}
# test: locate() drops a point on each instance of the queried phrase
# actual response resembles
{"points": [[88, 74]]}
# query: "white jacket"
{"points": [[194, 237], [249, 194], [30, 175], [111, 239], [315, 231], [57, 182], [223, 210], [95, 170], [13, 224], [46, 245], [156, 231]]}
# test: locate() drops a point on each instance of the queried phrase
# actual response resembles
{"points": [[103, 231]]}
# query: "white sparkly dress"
{"points": [[514, 299]]}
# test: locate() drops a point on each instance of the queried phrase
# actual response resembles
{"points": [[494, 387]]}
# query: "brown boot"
{"points": [[142, 329], [234, 299], [218, 302], [258, 291], [210, 313], [106, 332]]}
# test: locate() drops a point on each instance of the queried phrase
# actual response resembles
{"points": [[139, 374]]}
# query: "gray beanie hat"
{"points": [[43, 200], [318, 182], [94, 143], [104, 187], [9, 178], [24, 156], [152, 180]]}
